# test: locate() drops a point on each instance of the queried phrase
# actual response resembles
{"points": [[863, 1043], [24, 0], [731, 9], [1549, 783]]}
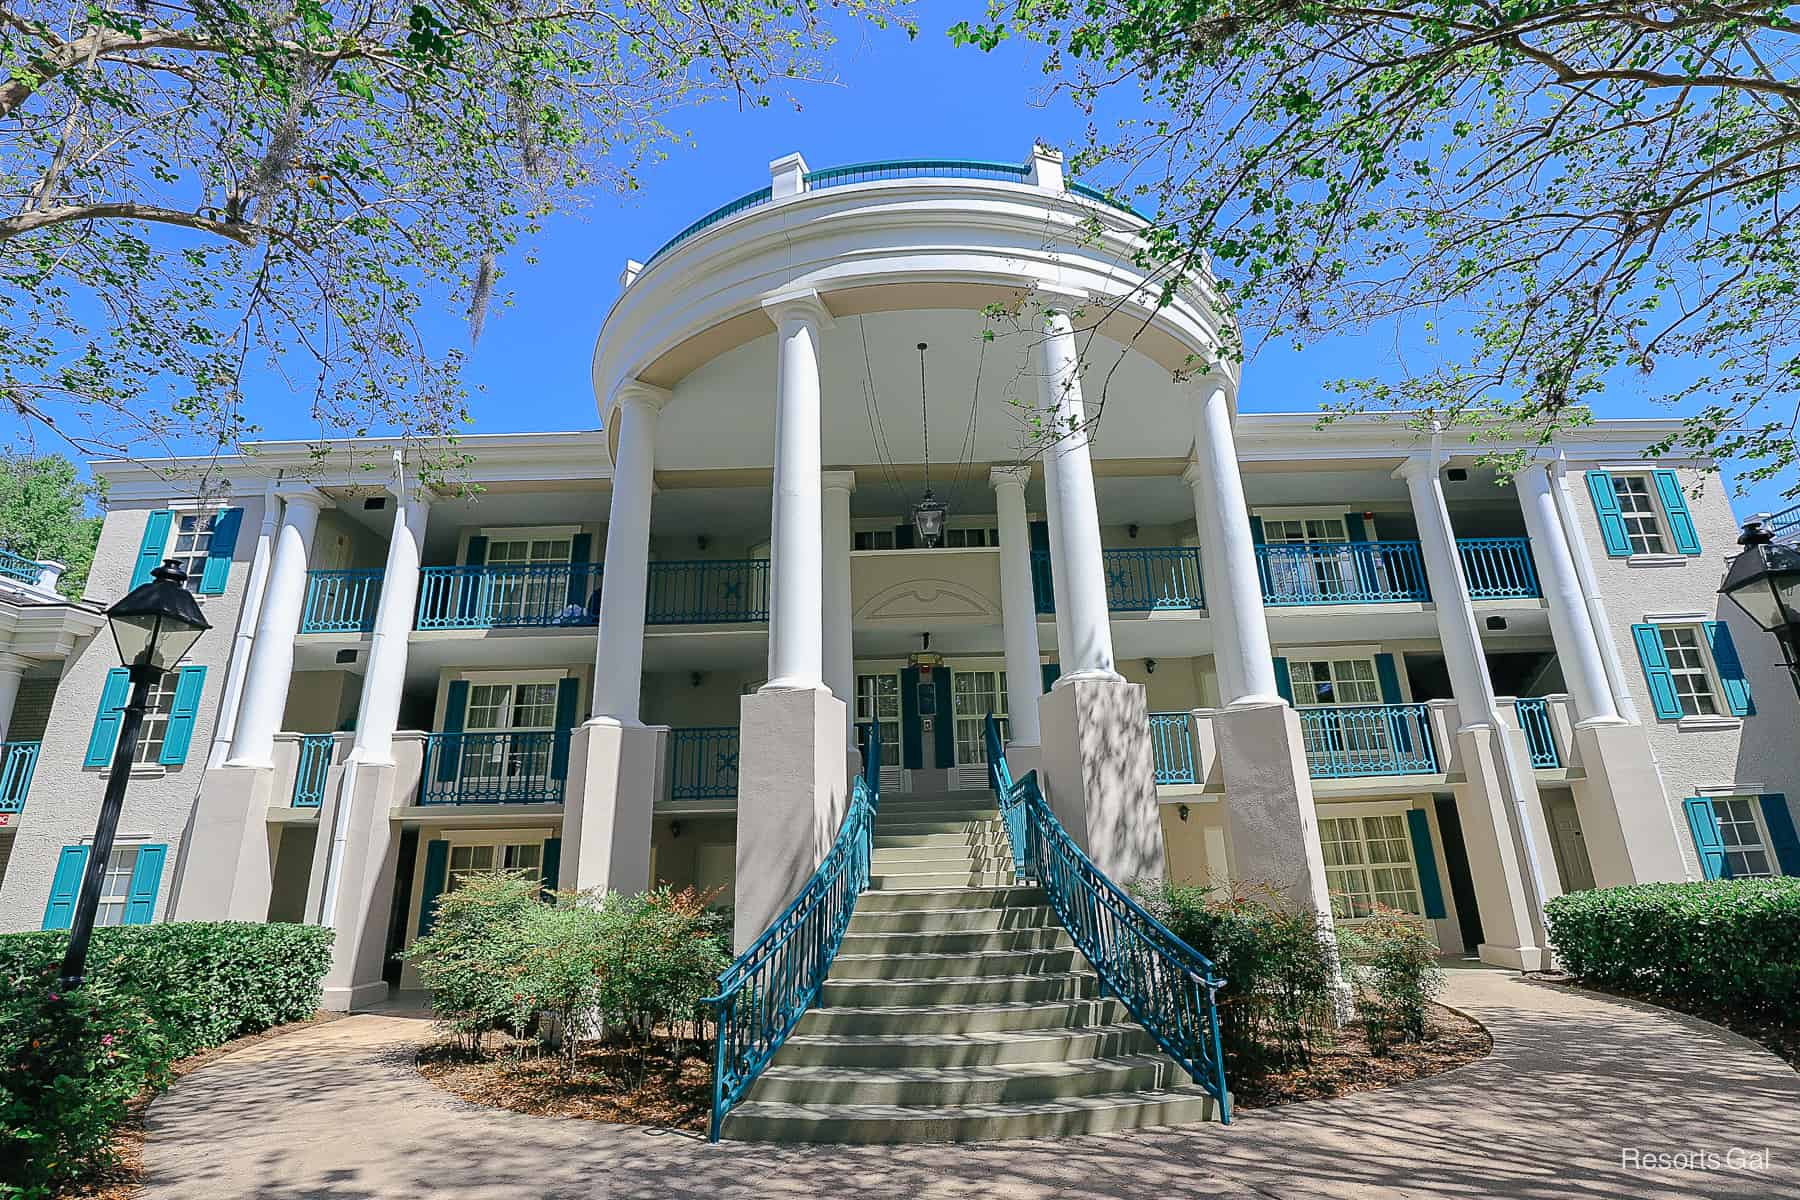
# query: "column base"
{"points": [[361, 883], [358, 998], [792, 796], [1502, 894], [1626, 824], [1101, 775], [1272, 829], [1022, 760], [228, 860], [617, 772]]}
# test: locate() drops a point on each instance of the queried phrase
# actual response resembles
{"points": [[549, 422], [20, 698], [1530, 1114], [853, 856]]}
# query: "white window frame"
{"points": [[158, 716], [1305, 514], [1753, 806], [1331, 655], [499, 839], [1710, 668], [1001, 712], [1656, 514], [191, 508], [112, 909], [1357, 814], [899, 721]]}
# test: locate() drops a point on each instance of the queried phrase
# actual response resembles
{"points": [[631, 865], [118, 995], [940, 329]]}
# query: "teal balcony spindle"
{"points": [[1316, 573], [703, 763], [313, 769], [341, 601], [505, 767], [1153, 579], [1172, 744], [1498, 568], [509, 597], [18, 761], [708, 591], [1348, 741], [17, 566], [1534, 719]]}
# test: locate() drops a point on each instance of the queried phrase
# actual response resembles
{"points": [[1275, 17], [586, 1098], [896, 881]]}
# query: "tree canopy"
{"points": [[1559, 197], [44, 514], [201, 191]]}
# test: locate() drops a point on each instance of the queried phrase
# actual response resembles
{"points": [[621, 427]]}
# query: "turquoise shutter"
{"points": [[581, 552], [1356, 527], [65, 886], [154, 545], [1389, 678], [943, 727], [1708, 843], [1051, 672], [551, 875], [219, 551], [189, 683], [903, 537], [437, 868], [105, 736], [1612, 521], [1284, 682], [1675, 512], [1731, 670], [1256, 530], [1656, 672], [146, 879], [912, 730], [568, 695], [1430, 890], [456, 703], [1782, 838]]}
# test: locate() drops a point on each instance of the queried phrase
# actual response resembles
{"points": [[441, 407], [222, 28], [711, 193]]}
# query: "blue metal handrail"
{"points": [[1305, 573], [507, 597], [1172, 744], [764, 993], [703, 763], [1534, 719], [341, 601], [1138, 579], [1785, 525], [1498, 568], [507, 767], [313, 769], [1347, 741], [708, 591], [17, 566], [1170, 987], [761, 195], [916, 168], [18, 761]]}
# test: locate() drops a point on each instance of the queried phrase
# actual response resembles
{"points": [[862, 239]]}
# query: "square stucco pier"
{"points": [[616, 772], [363, 880], [1101, 774], [228, 873], [1272, 829]]}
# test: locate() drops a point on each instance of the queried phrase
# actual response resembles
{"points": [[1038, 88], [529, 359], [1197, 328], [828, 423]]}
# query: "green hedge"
{"points": [[71, 1063], [1733, 942]]}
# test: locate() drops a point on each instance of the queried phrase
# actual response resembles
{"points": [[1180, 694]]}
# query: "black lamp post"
{"points": [[1764, 581], [154, 626]]}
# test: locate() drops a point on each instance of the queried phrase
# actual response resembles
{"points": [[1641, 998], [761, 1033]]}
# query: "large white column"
{"points": [[1018, 606], [1059, 599], [1457, 631], [1241, 651], [840, 649], [1590, 591], [271, 666], [248, 615], [624, 583], [797, 556], [1571, 627], [12, 674], [1075, 552], [378, 712]]}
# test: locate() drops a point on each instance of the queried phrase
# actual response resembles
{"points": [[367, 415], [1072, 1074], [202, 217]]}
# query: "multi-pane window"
{"points": [[115, 885], [1327, 570], [522, 714], [965, 538], [1637, 508], [1368, 861], [524, 592], [1746, 853], [873, 539], [1334, 681], [467, 861], [191, 543], [975, 694], [156, 719], [878, 700], [1304, 529], [1686, 653]]}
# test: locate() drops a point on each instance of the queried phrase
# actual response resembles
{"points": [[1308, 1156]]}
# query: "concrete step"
{"points": [[898, 1051], [1046, 988], [897, 828], [930, 841], [911, 881], [975, 941], [1011, 895], [931, 860], [962, 1018], [1108, 1112], [951, 920], [940, 1086], [969, 965], [936, 812]]}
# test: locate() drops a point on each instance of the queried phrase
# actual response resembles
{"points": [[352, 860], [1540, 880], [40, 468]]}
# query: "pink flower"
{"points": [[107, 1040]]}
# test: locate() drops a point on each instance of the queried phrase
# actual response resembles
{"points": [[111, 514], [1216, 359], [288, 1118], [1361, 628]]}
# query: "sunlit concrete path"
{"points": [[1573, 1084]]}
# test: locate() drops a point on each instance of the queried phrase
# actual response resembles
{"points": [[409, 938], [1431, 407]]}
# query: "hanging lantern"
{"points": [[928, 519]]}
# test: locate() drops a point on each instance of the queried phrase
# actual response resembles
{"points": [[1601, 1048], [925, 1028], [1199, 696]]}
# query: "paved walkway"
{"points": [[337, 1112]]}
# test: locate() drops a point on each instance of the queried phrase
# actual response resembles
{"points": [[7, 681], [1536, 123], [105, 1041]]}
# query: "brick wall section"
{"points": [[31, 712]]}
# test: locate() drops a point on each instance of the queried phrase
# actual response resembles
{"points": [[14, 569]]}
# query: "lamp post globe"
{"points": [[1764, 581], [154, 627]]}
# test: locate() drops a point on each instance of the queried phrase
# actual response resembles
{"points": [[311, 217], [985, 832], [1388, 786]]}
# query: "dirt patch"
{"points": [[122, 1180], [1779, 1034], [607, 1083], [1452, 1040]]}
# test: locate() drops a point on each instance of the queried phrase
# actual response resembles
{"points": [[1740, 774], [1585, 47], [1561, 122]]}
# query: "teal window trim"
{"points": [[154, 545], [146, 882], [220, 550], [1431, 889], [109, 717], [1675, 511], [65, 885], [1729, 668], [437, 868], [184, 711], [1663, 698], [1709, 844], [1784, 842], [1606, 510]]}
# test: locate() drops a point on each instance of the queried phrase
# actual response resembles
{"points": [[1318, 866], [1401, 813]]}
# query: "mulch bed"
{"points": [[1779, 1034], [607, 1083], [1346, 1066], [122, 1180]]}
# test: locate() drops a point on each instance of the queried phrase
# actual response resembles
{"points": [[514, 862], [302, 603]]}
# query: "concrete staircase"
{"points": [[958, 1010]]}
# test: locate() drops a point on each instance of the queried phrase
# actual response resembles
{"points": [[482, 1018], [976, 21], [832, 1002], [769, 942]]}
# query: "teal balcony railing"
{"points": [[511, 767], [508, 597], [1498, 568], [703, 763], [1138, 579], [1785, 525], [1304, 573], [341, 601], [1534, 719], [313, 769], [1172, 745], [18, 760], [1353, 740], [17, 566], [708, 591]]}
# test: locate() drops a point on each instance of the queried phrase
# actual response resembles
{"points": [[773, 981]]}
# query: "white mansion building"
{"points": [[1236, 647]]}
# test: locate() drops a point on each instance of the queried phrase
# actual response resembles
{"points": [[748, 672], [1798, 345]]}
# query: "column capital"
{"points": [[1416, 466], [1059, 300], [837, 481], [635, 393], [302, 493], [1016, 475], [1192, 474], [805, 305], [14, 664]]}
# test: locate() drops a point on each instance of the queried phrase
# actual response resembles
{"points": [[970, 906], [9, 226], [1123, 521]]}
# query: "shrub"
{"points": [[70, 1063], [1277, 1002], [1396, 976], [1728, 942], [474, 960]]}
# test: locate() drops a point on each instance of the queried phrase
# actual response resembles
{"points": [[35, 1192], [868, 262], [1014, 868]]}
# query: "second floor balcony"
{"points": [[1386, 572], [18, 762], [1138, 579]]}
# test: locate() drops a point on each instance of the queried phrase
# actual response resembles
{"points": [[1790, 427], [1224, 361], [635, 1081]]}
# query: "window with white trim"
{"points": [[490, 858], [155, 727], [1334, 681], [1287, 530], [973, 695], [115, 886], [1368, 861], [958, 537], [1641, 513], [878, 700], [873, 539], [527, 711], [1685, 649], [1740, 830], [190, 543], [532, 585]]}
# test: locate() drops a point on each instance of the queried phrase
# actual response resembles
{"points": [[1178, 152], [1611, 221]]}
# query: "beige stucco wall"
{"points": [[937, 587], [321, 701]]}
